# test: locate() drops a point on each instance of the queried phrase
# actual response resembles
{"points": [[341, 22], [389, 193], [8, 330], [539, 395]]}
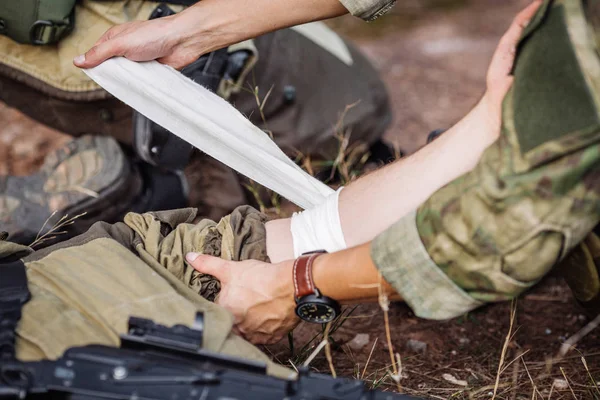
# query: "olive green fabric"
{"points": [[543, 116], [17, 19], [85, 289], [533, 196], [163, 238]]}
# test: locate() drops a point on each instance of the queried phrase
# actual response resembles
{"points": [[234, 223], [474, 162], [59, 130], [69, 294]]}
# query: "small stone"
{"points": [[453, 352], [560, 384], [548, 331], [452, 379], [582, 318], [359, 341], [416, 345], [464, 341]]}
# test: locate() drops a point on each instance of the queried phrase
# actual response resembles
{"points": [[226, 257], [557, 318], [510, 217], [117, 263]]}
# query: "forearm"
{"points": [[371, 204], [350, 276], [213, 24]]}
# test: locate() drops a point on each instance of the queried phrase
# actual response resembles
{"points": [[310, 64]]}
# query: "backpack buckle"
{"points": [[44, 32]]}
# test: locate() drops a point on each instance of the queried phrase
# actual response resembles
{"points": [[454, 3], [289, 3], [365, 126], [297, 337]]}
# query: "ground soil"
{"points": [[433, 55]]}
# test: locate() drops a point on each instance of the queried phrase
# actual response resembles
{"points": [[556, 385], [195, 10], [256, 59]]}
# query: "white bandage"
{"points": [[318, 228], [208, 122]]}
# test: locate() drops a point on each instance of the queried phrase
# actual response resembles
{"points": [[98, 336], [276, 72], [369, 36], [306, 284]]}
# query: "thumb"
{"points": [[210, 265], [98, 54]]}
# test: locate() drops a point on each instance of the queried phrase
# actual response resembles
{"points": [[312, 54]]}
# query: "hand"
{"points": [[167, 39], [180, 39], [499, 78], [259, 295]]}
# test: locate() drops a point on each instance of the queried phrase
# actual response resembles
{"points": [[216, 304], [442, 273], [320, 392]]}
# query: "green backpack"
{"points": [[37, 22]]}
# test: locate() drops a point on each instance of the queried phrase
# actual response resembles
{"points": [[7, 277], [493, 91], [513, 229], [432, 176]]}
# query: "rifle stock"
{"points": [[156, 362]]}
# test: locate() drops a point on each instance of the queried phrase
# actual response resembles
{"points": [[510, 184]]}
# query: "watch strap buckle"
{"points": [[302, 275]]}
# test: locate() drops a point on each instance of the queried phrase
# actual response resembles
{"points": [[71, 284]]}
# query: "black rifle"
{"points": [[156, 362]]}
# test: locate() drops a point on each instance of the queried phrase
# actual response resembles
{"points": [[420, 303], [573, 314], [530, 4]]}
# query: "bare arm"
{"points": [[180, 39], [374, 202]]}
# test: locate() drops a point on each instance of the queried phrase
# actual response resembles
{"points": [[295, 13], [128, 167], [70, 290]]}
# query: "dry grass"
{"points": [[531, 377], [56, 230]]}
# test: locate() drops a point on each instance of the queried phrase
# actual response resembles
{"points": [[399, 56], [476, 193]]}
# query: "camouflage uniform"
{"points": [[533, 197], [85, 289], [368, 10]]}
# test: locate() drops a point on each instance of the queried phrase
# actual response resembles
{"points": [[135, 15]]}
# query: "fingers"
{"points": [[499, 79], [99, 54], [506, 49], [109, 34], [214, 266], [256, 337], [520, 22]]}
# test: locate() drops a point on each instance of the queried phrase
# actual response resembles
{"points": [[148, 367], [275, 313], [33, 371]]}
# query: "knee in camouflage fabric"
{"points": [[85, 289], [533, 197]]}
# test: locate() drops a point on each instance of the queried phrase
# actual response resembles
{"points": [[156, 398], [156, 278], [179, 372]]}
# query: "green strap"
{"points": [[39, 22]]}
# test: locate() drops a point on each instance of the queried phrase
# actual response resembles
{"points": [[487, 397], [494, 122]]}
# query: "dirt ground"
{"points": [[433, 55]]}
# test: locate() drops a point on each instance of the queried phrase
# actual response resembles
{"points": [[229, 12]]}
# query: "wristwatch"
{"points": [[311, 305]]}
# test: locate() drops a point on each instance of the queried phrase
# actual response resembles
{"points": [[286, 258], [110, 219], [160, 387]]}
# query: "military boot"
{"points": [[89, 180]]}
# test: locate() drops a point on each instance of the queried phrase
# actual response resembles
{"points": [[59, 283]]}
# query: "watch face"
{"points": [[320, 310]]}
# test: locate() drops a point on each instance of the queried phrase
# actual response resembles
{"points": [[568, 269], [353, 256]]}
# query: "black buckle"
{"points": [[57, 29], [36, 33]]}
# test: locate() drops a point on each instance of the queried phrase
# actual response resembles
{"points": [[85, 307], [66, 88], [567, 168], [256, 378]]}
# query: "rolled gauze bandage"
{"points": [[318, 228]]}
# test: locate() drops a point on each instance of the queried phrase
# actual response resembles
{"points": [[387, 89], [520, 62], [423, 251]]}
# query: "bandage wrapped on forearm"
{"points": [[318, 228]]}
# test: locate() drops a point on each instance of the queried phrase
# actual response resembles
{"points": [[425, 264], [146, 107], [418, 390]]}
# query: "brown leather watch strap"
{"points": [[302, 274]]}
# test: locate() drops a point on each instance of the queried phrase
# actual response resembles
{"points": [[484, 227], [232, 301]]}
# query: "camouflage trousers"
{"points": [[85, 289], [535, 194]]}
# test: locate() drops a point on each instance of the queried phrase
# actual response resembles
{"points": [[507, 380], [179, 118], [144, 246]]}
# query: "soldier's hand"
{"points": [[174, 40], [499, 78], [259, 295]]}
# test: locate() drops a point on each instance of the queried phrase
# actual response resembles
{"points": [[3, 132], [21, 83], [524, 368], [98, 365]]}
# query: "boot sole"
{"points": [[90, 175]]}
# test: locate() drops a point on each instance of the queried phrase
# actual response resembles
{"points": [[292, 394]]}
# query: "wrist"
{"points": [[285, 279], [202, 28], [487, 116], [311, 304]]}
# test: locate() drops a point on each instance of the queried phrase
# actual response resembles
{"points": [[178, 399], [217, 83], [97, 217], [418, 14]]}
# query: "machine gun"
{"points": [[157, 362]]}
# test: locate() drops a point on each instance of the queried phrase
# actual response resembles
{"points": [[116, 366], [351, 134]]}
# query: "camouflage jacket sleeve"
{"points": [[535, 194], [369, 10]]}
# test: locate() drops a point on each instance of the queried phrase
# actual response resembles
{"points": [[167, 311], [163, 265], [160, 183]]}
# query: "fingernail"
{"points": [[79, 59], [191, 256]]}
